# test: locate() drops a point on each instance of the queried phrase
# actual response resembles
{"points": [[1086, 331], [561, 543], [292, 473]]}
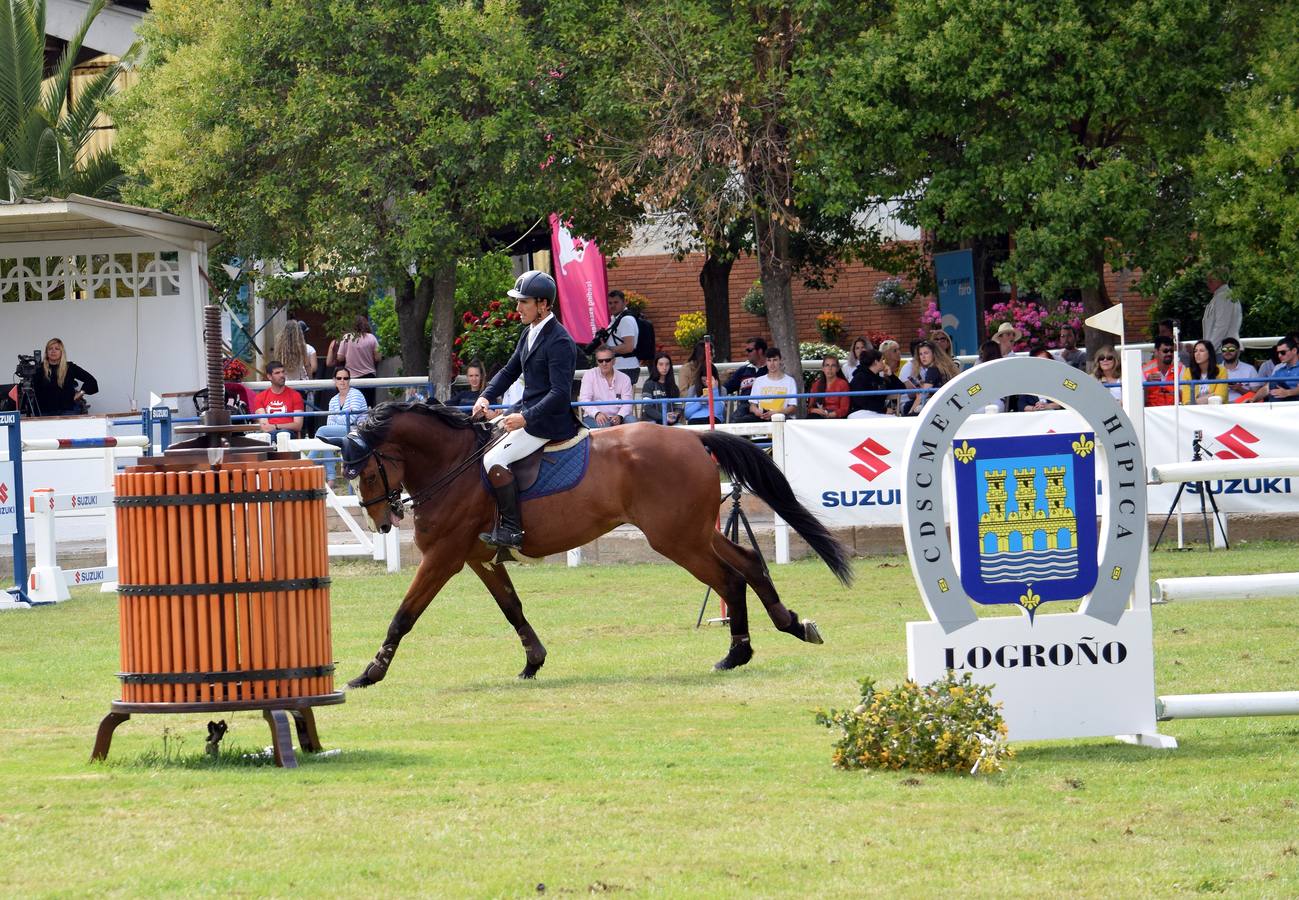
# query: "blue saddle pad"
{"points": [[560, 471]]}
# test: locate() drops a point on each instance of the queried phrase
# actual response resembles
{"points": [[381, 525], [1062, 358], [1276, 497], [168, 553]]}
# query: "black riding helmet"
{"points": [[534, 285]]}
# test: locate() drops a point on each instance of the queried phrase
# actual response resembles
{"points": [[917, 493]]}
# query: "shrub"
{"points": [[753, 302], [892, 292], [830, 324], [948, 725], [490, 336], [1038, 323], [690, 330]]}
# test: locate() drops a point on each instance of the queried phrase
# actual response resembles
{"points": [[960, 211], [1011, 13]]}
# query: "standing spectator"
{"points": [[1007, 336], [290, 349], [696, 406], [358, 351], [347, 409], [1204, 367], [660, 385], [871, 376], [741, 381], [312, 359], [859, 346], [831, 381], [59, 385], [1284, 383], [775, 383], [1237, 391], [1108, 370], [605, 382], [1070, 352], [1160, 369], [624, 331], [1222, 317], [474, 377], [281, 401]]}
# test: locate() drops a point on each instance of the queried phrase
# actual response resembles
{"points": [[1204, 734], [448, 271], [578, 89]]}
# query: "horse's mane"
{"points": [[375, 428]]}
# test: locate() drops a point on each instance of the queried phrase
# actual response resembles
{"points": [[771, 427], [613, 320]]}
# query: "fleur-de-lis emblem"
{"points": [[1030, 600], [1083, 446], [965, 452], [973, 389], [1071, 384]]}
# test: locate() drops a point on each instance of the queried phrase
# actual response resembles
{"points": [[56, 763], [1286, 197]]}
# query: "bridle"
{"points": [[392, 495]]}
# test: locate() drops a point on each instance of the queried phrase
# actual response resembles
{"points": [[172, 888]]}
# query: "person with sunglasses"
{"points": [[1108, 370], [605, 383], [1238, 390], [741, 381], [1160, 369], [347, 408]]}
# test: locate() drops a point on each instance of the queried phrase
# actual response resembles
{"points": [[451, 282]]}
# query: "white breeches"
{"points": [[512, 448]]}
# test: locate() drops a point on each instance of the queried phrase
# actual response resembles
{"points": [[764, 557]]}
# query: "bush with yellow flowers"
{"points": [[948, 725], [690, 330]]}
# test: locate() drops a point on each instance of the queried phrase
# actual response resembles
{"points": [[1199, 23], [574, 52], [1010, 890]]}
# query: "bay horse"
{"points": [[658, 478]]}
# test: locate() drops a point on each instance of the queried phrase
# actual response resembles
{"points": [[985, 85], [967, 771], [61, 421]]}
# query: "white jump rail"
{"points": [[1209, 588]]}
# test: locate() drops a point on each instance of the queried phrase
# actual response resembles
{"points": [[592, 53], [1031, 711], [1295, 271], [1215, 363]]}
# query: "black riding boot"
{"points": [[509, 530]]}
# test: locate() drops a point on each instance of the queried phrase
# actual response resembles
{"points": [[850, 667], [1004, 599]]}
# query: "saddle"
{"points": [[527, 470]]}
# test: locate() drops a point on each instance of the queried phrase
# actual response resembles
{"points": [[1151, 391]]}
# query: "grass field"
{"points": [[629, 766]]}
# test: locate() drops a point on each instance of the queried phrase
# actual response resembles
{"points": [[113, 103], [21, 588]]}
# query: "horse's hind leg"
{"points": [[498, 582], [750, 565], [698, 558]]}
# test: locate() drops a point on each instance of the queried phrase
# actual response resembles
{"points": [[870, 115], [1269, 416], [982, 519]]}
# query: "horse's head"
{"points": [[376, 477]]}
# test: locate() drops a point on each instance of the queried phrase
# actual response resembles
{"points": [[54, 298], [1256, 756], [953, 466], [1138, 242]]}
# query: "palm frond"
{"points": [[56, 89], [99, 176], [77, 123], [22, 59]]}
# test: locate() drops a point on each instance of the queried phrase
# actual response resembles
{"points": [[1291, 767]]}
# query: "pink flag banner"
{"points": [[580, 277]]}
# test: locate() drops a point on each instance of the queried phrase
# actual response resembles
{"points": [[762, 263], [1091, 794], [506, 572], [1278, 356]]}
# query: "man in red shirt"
{"points": [[279, 399], [1160, 368]]}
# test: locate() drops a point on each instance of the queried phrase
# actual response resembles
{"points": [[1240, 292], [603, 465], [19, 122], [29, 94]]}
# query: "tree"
{"points": [[702, 123], [384, 138], [44, 126], [1247, 183], [1071, 125]]}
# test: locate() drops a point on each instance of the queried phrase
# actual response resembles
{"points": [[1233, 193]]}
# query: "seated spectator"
{"points": [[1035, 403], [1007, 336], [660, 385], [279, 400], [347, 408], [1160, 369], [891, 352], [859, 346], [1108, 370], [925, 374], [871, 376], [604, 382], [989, 351], [467, 395], [1284, 382], [1235, 368], [942, 342], [60, 385], [1204, 368], [830, 380], [1070, 352], [696, 408], [741, 381], [775, 383]]}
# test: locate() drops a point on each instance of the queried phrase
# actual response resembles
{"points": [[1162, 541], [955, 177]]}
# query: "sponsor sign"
{"points": [[1022, 514], [581, 281], [8, 500]]}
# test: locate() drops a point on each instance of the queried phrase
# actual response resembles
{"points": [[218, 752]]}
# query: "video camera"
{"points": [[598, 341], [27, 366]]}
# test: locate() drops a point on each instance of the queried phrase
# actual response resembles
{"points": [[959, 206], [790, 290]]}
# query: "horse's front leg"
{"points": [[498, 583], [432, 574]]}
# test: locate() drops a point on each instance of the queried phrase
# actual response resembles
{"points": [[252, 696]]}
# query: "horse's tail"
{"points": [[754, 470]]}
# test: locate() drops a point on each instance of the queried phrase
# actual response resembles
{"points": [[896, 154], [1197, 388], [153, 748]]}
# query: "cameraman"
{"points": [[620, 336], [61, 385]]}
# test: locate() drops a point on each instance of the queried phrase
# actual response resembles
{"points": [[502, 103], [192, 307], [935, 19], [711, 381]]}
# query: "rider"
{"points": [[546, 357]]}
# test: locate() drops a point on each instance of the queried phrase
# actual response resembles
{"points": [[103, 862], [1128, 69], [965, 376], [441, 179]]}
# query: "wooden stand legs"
{"points": [[304, 721]]}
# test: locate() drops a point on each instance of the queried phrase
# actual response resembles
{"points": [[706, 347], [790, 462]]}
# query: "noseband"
{"points": [[392, 495]]}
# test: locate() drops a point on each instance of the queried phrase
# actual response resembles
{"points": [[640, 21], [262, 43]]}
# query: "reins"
{"points": [[424, 494]]}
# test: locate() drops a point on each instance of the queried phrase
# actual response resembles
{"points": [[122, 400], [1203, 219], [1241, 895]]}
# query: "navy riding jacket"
{"points": [[547, 371]]}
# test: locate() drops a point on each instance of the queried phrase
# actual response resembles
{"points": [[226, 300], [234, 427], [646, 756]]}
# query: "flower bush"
{"points": [[753, 302], [815, 350], [930, 319], [892, 292], [878, 337], [1038, 323], [233, 369], [690, 330], [948, 725], [636, 302], [830, 324], [490, 336]]}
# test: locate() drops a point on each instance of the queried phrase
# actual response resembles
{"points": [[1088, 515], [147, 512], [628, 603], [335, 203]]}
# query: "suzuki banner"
{"points": [[8, 500], [850, 472], [581, 280]]}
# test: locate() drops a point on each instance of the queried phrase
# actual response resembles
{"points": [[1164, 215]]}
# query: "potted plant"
{"points": [[892, 292], [830, 324], [753, 302]]}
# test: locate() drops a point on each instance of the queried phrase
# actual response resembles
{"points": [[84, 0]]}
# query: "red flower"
{"points": [[496, 304], [467, 317], [515, 317], [497, 323], [459, 341]]}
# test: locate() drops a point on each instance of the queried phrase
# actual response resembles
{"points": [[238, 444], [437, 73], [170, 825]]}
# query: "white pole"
{"points": [[1177, 419], [1227, 587], [1214, 706], [778, 455]]}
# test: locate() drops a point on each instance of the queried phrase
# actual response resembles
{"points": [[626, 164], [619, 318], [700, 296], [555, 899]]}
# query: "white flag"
{"points": [[1110, 320]]}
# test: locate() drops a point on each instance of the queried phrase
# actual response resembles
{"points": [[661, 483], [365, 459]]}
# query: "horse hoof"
{"points": [[358, 682], [811, 633], [532, 668], [738, 655]]}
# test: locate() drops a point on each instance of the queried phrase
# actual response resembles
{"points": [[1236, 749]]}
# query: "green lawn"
{"points": [[630, 766]]}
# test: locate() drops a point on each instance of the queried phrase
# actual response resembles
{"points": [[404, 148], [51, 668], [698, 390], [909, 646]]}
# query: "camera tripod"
{"points": [[731, 531], [27, 403], [1202, 487]]}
